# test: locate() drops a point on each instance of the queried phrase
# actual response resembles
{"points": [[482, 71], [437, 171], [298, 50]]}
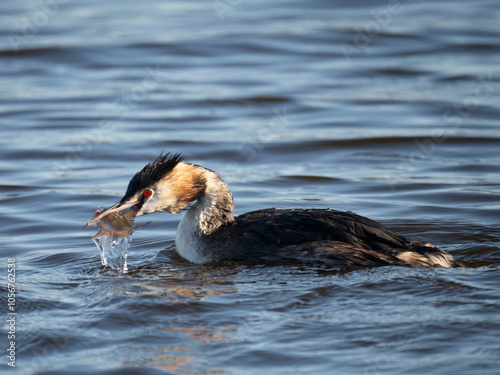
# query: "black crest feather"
{"points": [[152, 173]]}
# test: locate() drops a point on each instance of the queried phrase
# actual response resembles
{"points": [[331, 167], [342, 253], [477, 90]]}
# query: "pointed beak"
{"points": [[114, 208]]}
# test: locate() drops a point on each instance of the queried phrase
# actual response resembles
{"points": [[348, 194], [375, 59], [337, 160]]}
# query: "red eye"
{"points": [[147, 193], [97, 213]]}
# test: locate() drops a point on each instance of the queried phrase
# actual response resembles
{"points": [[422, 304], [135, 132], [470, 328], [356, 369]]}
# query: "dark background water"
{"points": [[386, 108]]}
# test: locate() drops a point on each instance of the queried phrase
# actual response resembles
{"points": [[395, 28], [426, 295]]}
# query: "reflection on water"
{"points": [[179, 359], [186, 333], [387, 109]]}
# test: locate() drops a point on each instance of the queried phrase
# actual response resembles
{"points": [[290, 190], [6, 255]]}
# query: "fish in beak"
{"points": [[114, 209], [115, 224]]}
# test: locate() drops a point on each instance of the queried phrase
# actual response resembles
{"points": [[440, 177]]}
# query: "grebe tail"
{"points": [[209, 232]]}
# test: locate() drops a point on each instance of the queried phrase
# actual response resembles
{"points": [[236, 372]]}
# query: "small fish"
{"points": [[116, 224]]}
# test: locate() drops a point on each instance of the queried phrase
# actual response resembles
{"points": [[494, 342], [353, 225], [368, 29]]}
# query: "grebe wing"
{"points": [[319, 235], [296, 226]]}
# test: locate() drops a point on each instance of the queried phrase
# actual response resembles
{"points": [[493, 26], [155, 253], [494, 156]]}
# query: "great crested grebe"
{"points": [[209, 232]]}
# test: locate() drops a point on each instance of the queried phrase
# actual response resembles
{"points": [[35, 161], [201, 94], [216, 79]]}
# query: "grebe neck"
{"points": [[213, 209]]}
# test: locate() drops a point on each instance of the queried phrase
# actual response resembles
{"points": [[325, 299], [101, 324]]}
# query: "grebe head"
{"points": [[166, 184]]}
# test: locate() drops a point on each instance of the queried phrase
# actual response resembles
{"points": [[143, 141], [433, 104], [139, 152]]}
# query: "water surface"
{"points": [[387, 109]]}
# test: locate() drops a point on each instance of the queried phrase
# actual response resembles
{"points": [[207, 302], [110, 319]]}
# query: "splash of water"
{"points": [[113, 250]]}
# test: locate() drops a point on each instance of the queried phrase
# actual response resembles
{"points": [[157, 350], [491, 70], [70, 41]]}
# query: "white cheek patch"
{"points": [[162, 200]]}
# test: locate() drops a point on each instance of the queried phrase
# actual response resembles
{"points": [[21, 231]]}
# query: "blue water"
{"points": [[386, 108]]}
